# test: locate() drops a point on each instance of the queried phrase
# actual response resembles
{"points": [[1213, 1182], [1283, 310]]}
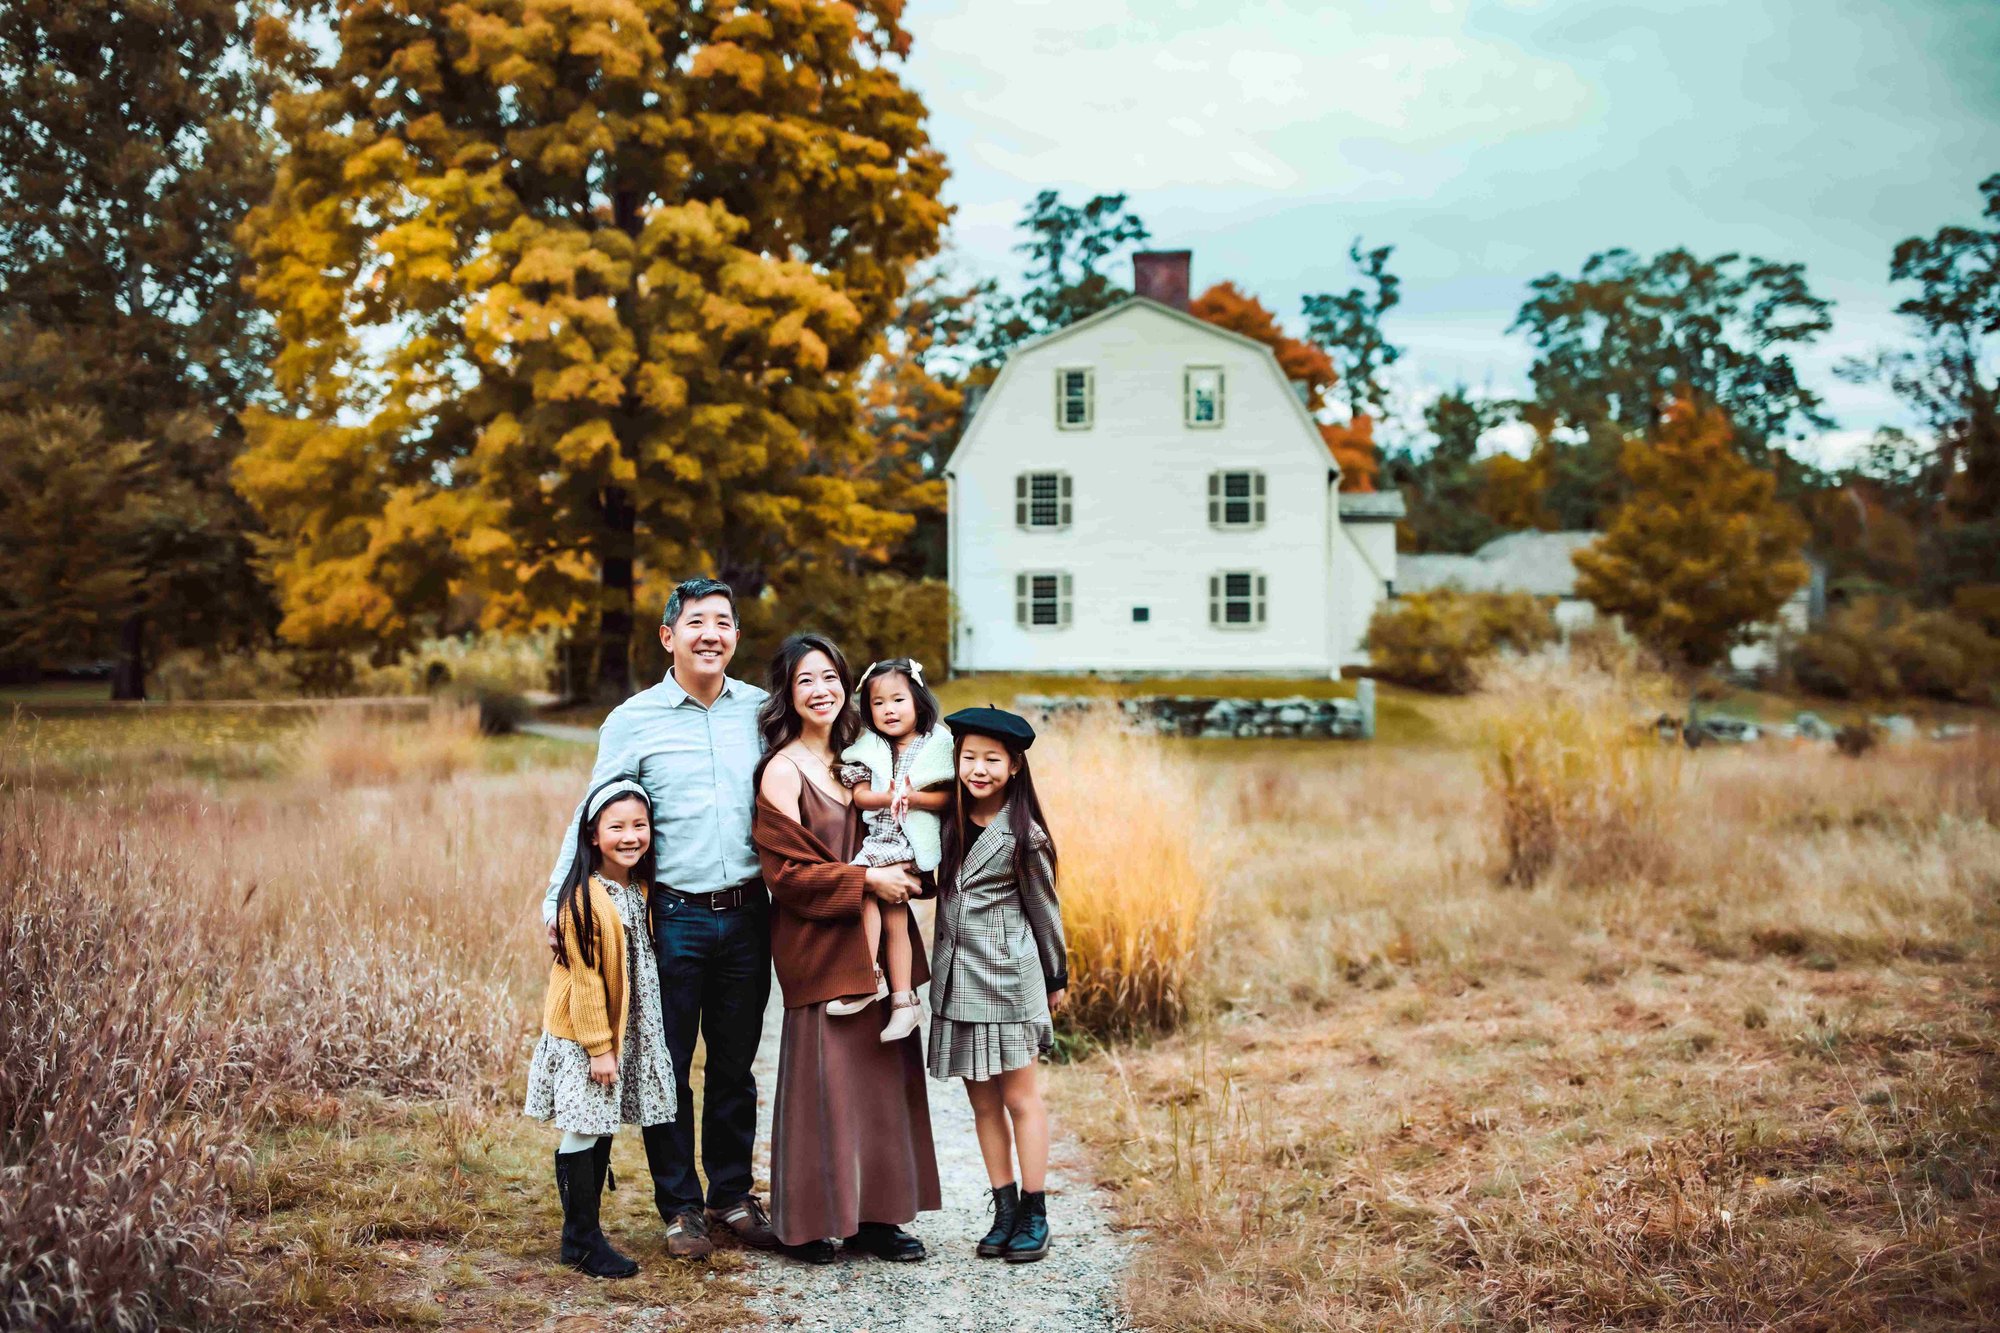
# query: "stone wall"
{"points": [[1211, 718]]}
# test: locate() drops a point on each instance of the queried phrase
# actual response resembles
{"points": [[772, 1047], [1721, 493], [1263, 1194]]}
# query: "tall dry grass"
{"points": [[1136, 890], [1578, 783], [185, 962], [347, 747]]}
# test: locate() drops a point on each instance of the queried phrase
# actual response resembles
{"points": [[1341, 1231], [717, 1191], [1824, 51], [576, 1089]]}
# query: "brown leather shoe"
{"points": [[687, 1235], [748, 1220]]}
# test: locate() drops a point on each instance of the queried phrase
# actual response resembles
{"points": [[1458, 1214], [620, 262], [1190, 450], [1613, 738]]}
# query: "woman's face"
{"points": [[624, 831], [984, 766], [890, 706], [817, 693]]}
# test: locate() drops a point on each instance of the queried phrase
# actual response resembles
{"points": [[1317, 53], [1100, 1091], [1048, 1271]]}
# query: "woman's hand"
{"points": [[604, 1069], [1057, 999], [892, 884]]}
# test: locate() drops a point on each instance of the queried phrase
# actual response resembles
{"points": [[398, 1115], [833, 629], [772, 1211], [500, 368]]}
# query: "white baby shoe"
{"points": [[906, 1011]]}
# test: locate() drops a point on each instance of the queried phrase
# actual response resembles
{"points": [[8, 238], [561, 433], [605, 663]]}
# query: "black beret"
{"points": [[995, 722]]}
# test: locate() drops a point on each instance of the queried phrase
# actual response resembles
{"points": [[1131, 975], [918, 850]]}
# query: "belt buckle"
{"points": [[715, 903]]}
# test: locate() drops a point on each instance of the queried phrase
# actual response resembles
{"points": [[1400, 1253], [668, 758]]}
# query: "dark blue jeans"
{"points": [[715, 976]]}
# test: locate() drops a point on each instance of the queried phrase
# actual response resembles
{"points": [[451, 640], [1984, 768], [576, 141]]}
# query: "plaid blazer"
{"points": [[998, 949]]}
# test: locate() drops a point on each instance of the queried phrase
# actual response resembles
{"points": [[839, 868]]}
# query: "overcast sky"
{"points": [[1490, 141]]}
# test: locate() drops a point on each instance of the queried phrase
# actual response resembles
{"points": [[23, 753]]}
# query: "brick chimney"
{"points": [[1162, 275]]}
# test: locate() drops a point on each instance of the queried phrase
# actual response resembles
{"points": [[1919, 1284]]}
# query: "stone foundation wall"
{"points": [[1209, 718]]}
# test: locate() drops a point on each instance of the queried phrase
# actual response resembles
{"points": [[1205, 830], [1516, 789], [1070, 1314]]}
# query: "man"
{"points": [[692, 740]]}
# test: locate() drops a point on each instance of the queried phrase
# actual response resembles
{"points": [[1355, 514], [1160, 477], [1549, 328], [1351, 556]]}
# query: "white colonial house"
{"points": [[1143, 492]]}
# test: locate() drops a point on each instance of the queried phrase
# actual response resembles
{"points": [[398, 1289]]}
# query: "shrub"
{"points": [[1577, 782], [1436, 640], [871, 616], [471, 667], [1876, 649], [1135, 906]]}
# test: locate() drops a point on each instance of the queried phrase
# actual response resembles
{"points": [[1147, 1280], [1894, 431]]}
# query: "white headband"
{"points": [[612, 791]]}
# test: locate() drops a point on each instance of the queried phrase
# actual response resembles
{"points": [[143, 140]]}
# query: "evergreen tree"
{"points": [[569, 288], [1068, 247]]}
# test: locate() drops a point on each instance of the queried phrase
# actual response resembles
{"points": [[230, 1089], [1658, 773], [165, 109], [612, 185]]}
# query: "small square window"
{"points": [[1075, 398], [1201, 398], [1141, 614]]}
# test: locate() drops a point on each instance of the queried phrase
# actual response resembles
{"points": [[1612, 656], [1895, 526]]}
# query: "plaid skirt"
{"points": [[982, 1050]]}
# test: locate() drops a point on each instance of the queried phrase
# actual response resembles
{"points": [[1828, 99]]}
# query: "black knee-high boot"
{"points": [[580, 1184]]}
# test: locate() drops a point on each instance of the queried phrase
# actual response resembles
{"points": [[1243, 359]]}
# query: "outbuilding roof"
{"points": [[1530, 562]]}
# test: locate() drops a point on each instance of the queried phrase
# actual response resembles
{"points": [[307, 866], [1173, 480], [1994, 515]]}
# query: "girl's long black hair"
{"points": [[779, 721], [1024, 812], [575, 898], [920, 695]]}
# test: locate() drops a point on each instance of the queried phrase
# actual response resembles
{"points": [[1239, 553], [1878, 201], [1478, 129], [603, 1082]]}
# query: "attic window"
{"points": [[1201, 396], [1076, 398], [1236, 499], [1042, 500]]}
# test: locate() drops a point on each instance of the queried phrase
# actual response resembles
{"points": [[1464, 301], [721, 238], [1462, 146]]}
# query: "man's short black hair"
{"points": [[693, 590]]}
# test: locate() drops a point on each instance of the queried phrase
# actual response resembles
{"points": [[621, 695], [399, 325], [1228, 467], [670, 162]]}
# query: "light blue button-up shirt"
{"points": [[698, 765]]}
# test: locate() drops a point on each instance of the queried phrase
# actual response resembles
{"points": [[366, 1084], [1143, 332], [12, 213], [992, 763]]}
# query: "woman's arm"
{"points": [[815, 889]]}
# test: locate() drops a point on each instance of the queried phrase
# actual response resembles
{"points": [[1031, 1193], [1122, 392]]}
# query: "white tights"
{"points": [[574, 1142]]}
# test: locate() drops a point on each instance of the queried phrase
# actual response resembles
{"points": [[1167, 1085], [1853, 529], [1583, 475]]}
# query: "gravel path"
{"points": [[1074, 1290]]}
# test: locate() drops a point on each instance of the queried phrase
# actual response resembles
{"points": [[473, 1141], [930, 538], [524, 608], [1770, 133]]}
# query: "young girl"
{"points": [[602, 1060], [999, 968], [900, 768]]}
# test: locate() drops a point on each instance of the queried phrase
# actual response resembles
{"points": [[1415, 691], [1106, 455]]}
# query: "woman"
{"points": [[851, 1152]]}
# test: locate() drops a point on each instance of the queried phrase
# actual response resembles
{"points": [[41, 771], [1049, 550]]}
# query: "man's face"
{"points": [[702, 640]]}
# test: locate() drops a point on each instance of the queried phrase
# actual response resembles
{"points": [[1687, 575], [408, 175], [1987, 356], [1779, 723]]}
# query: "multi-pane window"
{"points": [[1042, 500], [1236, 599], [1236, 499], [1201, 395], [1042, 599], [1076, 398]]}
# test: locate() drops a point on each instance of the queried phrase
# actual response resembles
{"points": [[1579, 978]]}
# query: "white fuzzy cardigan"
{"points": [[932, 764]]}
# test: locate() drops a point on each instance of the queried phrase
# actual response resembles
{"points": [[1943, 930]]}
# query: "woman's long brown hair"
{"points": [[779, 719], [1024, 811]]}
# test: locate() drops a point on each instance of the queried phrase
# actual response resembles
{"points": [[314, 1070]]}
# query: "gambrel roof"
{"points": [[1309, 429]]}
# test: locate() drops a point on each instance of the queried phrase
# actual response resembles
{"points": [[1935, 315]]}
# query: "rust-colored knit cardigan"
{"points": [[817, 944]]}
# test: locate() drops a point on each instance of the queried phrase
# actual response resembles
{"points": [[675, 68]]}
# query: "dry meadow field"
{"points": [[1538, 1024]]}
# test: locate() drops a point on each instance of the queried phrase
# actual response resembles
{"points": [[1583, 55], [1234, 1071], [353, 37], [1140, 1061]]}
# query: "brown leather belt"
{"points": [[749, 891]]}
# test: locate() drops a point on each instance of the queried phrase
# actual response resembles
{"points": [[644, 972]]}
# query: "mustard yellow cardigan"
{"points": [[587, 1005]]}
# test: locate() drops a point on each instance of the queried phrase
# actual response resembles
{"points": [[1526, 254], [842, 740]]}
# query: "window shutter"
{"points": [[1021, 501], [1062, 394], [1218, 396], [1062, 605], [1215, 599], [1021, 600], [1259, 612], [1215, 498], [1063, 512], [1257, 494]]}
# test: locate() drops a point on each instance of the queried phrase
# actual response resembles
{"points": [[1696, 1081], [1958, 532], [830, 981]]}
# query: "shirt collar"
{"points": [[676, 695]]}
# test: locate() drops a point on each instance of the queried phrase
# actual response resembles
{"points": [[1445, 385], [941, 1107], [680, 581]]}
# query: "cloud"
{"points": [[1226, 95]]}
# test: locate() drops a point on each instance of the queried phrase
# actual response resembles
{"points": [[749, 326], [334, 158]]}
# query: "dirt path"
{"points": [[1075, 1289]]}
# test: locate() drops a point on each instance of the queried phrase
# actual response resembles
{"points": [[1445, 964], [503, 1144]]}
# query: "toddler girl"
{"points": [[901, 754]]}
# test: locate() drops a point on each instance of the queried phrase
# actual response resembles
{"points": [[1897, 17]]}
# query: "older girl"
{"points": [[602, 1059], [1001, 968]]}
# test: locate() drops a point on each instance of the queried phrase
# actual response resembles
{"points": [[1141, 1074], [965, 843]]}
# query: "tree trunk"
{"points": [[128, 678], [615, 597]]}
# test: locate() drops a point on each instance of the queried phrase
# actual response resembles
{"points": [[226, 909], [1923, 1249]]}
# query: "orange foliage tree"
{"points": [[1352, 444]]}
